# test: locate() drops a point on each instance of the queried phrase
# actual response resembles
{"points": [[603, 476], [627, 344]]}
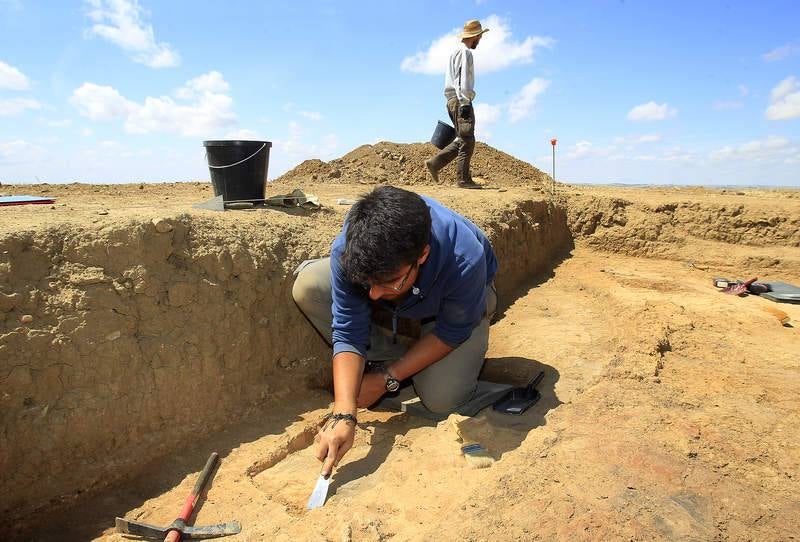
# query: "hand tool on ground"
{"points": [[739, 288], [518, 400], [320, 493], [179, 530]]}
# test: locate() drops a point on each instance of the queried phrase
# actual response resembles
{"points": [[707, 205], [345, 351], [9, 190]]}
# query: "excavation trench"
{"points": [[126, 339]]}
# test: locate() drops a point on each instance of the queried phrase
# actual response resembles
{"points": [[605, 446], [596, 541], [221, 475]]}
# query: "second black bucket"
{"points": [[238, 168], [443, 135]]}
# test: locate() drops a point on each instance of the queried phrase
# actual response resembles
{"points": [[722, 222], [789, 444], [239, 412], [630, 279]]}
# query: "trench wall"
{"points": [[119, 343]]}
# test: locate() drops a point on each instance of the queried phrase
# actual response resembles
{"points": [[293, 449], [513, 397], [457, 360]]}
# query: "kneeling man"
{"points": [[401, 258]]}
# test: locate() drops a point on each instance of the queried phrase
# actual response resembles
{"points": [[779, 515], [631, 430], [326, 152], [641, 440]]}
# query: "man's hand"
{"points": [[335, 439], [373, 386]]}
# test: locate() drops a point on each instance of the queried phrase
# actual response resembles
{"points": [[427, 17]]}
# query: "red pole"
{"points": [[191, 499], [553, 143]]}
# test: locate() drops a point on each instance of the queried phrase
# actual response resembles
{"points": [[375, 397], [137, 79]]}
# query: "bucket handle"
{"points": [[240, 161]]}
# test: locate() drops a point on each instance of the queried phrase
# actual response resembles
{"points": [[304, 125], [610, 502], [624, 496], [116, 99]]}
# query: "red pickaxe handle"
{"points": [[191, 500]]}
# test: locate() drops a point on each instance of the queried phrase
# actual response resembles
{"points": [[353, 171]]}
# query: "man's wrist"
{"points": [[345, 407], [392, 382]]}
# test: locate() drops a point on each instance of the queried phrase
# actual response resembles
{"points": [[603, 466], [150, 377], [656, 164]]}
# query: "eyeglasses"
{"points": [[399, 287]]}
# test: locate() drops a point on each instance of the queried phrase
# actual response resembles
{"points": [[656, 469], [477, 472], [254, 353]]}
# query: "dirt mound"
{"points": [[404, 164]]}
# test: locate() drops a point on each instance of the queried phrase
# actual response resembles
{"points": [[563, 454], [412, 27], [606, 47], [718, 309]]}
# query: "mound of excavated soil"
{"points": [[404, 164]]}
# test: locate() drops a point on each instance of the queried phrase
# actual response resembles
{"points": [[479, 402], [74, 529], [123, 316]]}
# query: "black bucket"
{"points": [[443, 135], [238, 168]]}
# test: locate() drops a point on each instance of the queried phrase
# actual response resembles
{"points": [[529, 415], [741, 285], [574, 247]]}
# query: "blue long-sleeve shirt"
{"points": [[450, 285]]}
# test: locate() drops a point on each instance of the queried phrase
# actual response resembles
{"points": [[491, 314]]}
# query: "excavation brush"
{"points": [[179, 530]]}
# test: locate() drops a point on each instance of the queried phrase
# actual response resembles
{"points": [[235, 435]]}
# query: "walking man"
{"points": [[459, 90], [401, 258]]}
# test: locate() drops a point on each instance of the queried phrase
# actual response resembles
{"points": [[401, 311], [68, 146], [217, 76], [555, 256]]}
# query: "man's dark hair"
{"points": [[386, 230]]}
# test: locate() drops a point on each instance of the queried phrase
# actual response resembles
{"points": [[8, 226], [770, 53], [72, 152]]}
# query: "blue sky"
{"points": [[635, 91]]}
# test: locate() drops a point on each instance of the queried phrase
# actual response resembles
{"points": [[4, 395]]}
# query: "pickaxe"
{"points": [[179, 530]]}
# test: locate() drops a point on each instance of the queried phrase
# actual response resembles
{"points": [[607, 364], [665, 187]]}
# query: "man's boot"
{"points": [[432, 169]]}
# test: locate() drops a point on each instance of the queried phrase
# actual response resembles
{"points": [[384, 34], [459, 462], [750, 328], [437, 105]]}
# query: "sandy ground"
{"points": [[669, 411]]}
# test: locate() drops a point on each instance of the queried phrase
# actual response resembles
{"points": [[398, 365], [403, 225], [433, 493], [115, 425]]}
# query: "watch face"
{"points": [[392, 384]]}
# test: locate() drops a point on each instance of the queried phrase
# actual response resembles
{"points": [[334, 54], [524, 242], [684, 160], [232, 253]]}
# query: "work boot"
{"points": [[432, 170], [470, 184]]}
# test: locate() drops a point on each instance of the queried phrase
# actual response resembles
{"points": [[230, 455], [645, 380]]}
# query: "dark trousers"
{"points": [[462, 146]]}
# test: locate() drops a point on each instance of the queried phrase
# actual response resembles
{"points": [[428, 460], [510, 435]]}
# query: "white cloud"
{"points": [[208, 82], [121, 22], [296, 147], [15, 106], [623, 148], [584, 148], [770, 149], [743, 90], [58, 123], [13, 79], [20, 151], [525, 100], [649, 138], [779, 53], [784, 100], [100, 102], [651, 111], [632, 141], [485, 116], [677, 154], [497, 50], [244, 135], [311, 115], [86, 132], [721, 105], [206, 112]]}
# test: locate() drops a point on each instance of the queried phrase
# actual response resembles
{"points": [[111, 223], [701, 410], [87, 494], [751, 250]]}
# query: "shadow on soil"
{"points": [[507, 297], [512, 429]]}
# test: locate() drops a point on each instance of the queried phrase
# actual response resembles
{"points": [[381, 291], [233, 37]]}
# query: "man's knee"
{"points": [[443, 399], [309, 290], [301, 291]]}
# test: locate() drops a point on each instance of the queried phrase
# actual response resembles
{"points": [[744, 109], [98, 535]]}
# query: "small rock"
{"points": [[502, 189], [114, 335], [162, 225], [335, 173], [26, 318], [104, 212]]}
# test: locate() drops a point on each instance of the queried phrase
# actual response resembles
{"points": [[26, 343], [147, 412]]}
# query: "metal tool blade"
{"points": [[320, 492]]}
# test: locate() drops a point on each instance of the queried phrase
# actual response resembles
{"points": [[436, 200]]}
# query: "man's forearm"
{"points": [[348, 368], [426, 351]]}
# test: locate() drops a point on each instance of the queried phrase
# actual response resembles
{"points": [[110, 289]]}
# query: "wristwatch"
{"points": [[392, 384]]}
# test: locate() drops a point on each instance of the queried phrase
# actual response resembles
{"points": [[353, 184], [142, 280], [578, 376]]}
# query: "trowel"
{"points": [[320, 492]]}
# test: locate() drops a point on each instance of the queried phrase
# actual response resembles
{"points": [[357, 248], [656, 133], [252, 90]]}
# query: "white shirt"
{"points": [[459, 78]]}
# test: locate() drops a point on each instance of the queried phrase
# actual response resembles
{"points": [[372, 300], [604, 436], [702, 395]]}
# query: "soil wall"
{"points": [[121, 341]]}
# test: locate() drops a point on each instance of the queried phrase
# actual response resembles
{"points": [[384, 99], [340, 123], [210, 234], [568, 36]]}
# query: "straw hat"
{"points": [[473, 28]]}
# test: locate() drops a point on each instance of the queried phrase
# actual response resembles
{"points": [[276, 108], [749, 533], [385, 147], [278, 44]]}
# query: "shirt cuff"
{"points": [[340, 347]]}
